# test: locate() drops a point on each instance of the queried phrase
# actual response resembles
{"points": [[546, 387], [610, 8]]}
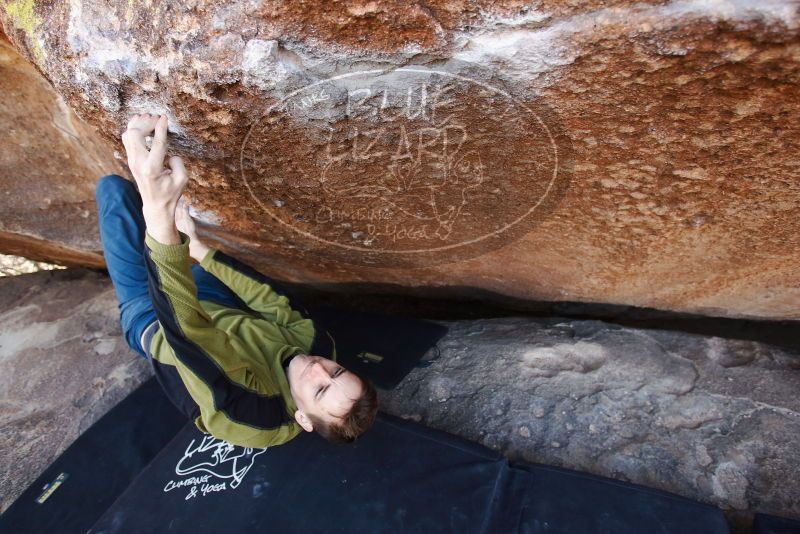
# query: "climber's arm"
{"points": [[171, 284], [203, 355], [166, 251], [259, 292], [159, 188]]}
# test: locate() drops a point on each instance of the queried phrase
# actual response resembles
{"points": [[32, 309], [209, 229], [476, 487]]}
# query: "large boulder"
{"points": [[624, 152]]}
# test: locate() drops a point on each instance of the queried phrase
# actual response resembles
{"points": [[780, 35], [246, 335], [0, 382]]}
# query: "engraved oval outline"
{"points": [[402, 69]]}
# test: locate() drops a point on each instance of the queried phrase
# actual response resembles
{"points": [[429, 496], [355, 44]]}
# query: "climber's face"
{"points": [[321, 388]]}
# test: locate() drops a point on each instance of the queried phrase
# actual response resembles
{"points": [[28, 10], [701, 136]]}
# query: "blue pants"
{"points": [[122, 231]]}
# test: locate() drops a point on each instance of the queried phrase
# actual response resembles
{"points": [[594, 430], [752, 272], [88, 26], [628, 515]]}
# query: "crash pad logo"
{"points": [[410, 166], [211, 465]]}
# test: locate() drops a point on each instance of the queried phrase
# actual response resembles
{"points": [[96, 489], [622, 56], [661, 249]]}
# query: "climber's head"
{"points": [[335, 402]]}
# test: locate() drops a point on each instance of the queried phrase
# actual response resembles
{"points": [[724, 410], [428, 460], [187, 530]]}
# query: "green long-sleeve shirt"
{"points": [[224, 365]]}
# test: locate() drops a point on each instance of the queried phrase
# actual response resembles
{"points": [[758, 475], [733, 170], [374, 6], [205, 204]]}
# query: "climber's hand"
{"points": [[159, 188], [148, 166], [184, 221], [186, 224], [145, 164]]}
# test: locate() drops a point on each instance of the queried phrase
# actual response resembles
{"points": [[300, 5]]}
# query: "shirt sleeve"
{"points": [[260, 293], [216, 377]]}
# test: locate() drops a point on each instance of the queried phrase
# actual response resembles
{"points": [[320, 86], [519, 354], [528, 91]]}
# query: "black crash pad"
{"points": [[75, 490], [771, 524], [398, 477], [382, 347], [563, 500]]}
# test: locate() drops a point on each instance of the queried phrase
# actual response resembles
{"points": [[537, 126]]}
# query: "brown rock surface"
{"points": [[49, 162], [63, 364], [632, 153]]}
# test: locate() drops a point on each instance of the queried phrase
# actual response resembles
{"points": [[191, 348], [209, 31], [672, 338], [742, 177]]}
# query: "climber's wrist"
{"points": [[197, 249], [160, 222]]}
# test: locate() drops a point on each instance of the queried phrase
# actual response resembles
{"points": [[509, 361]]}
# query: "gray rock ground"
{"points": [[712, 419], [63, 364]]}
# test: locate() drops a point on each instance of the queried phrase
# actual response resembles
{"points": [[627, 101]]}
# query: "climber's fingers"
{"points": [[178, 172], [184, 220], [159, 148], [133, 141], [143, 123]]}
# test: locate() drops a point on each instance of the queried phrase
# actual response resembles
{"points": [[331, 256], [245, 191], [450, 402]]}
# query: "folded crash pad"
{"points": [[398, 477]]}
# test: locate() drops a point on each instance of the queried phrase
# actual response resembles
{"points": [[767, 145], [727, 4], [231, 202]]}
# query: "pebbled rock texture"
{"points": [[63, 364], [709, 418], [639, 153]]}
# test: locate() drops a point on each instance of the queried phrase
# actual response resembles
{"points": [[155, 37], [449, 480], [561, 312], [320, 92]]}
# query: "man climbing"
{"points": [[226, 343]]}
